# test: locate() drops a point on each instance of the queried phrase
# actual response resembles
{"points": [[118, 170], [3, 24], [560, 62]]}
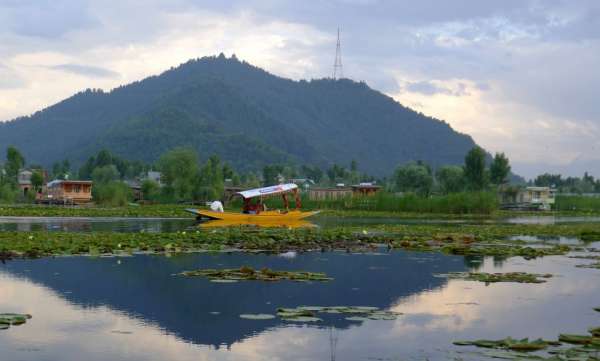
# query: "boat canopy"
{"points": [[268, 191]]}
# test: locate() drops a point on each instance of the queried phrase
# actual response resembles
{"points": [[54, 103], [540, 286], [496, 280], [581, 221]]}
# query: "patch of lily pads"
{"points": [[257, 316], [510, 344], [350, 313], [595, 265], [585, 347], [12, 319], [518, 277], [246, 273]]}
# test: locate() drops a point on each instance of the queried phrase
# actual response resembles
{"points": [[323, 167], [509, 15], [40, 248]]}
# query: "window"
{"points": [[77, 188]]}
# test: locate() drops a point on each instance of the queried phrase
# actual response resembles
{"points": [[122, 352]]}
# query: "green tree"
{"points": [[270, 174], [499, 169], [105, 174], [14, 162], [210, 184], [150, 190], [451, 179], [179, 168], [414, 177], [37, 180], [475, 172]]}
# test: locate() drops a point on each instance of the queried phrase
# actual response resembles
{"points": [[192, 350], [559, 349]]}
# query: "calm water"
{"points": [[135, 309], [115, 224]]}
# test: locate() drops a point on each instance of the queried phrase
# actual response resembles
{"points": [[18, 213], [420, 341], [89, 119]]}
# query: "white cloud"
{"points": [[520, 76]]}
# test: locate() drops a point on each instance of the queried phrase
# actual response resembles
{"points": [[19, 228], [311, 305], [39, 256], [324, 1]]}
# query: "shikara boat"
{"points": [[254, 210]]}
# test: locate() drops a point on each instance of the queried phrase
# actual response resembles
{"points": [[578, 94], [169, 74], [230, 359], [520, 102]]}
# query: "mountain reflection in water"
{"points": [[135, 309]]}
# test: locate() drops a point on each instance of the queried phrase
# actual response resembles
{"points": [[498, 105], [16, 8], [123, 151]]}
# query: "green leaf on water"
{"points": [[258, 316], [302, 319]]}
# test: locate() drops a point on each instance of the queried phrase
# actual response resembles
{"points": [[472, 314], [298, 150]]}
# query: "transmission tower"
{"points": [[338, 70]]}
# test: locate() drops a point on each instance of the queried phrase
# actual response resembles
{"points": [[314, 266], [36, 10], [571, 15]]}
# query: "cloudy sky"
{"points": [[522, 77]]}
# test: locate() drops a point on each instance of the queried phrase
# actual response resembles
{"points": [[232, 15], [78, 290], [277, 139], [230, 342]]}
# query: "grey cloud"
{"points": [[45, 19], [86, 70], [9, 79], [430, 88]]}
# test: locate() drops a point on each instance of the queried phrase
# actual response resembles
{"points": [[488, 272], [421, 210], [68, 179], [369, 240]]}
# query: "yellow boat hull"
{"points": [[262, 217], [222, 223]]}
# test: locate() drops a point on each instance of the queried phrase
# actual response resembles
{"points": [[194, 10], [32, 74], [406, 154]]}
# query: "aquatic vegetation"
{"points": [[509, 344], [155, 210], [575, 339], [456, 239], [518, 277], [258, 316], [12, 319], [359, 313], [250, 274], [588, 346], [595, 265]]}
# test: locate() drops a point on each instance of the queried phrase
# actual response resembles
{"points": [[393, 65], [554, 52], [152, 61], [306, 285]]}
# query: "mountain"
{"points": [[244, 114]]}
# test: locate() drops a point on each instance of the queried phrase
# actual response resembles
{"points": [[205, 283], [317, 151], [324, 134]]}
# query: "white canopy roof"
{"points": [[268, 191]]}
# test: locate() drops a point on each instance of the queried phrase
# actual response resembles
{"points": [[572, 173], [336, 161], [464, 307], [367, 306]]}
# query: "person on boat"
{"points": [[250, 208], [216, 206]]}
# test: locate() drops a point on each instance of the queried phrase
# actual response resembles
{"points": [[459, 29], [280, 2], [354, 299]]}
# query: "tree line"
{"points": [[187, 178], [475, 175]]}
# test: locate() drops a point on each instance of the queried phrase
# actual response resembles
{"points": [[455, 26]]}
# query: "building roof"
{"points": [[538, 189], [366, 186], [268, 191], [63, 181]]}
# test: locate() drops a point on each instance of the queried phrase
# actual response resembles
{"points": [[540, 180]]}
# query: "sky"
{"points": [[519, 76]]}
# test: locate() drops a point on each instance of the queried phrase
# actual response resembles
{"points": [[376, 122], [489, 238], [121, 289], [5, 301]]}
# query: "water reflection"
{"points": [[94, 224], [134, 309], [115, 224]]}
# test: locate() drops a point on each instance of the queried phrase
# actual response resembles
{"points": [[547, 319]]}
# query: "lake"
{"points": [[124, 224], [136, 308]]}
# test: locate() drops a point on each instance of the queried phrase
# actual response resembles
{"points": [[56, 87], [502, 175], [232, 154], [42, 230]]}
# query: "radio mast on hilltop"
{"points": [[338, 70]]}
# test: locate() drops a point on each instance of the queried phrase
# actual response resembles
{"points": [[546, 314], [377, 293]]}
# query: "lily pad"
{"points": [[523, 345], [246, 273], [575, 339], [519, 277], [223, 281], [12, 319], [302, 319], [258, 316]]}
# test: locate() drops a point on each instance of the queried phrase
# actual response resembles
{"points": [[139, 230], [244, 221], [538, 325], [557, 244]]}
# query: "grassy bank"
{"points": [[577, 204], [466, 203], [157, 210], [481, 240]]}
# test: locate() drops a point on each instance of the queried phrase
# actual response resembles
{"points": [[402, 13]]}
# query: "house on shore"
{"points": [[343, 191], [528, 198], [68, 192], [365, 189], [24, 181]]}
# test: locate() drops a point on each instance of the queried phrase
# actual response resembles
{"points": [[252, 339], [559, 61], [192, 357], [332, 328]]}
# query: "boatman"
{"points": [[216, 206]]}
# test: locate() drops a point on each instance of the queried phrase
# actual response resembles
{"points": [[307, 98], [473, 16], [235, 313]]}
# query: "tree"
{"points": [[475, 172], [14, 162], [150, 190], [549, 180], [499, 169], [414, 177], [179, 168], [37, 179], [451, 179], [270, 174], [105, 174], [209, 185]]}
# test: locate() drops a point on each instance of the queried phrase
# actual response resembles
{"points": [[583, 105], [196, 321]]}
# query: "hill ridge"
{"points": [[241, 112]]}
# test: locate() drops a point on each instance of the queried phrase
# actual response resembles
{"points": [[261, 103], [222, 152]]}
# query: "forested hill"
{"points": [[247, 116]]}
